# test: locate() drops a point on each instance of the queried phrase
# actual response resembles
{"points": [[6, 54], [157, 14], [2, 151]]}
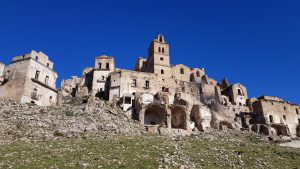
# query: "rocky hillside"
{"points": [[70, 120], [96, 135]]}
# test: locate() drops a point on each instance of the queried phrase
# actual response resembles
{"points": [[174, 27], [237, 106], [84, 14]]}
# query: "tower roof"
{"points": [[160, 38]]}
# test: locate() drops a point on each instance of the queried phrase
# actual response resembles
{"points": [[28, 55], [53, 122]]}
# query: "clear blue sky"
{"points": [[256, 43]]}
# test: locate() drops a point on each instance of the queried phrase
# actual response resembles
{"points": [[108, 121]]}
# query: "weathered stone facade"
{"points": [[29, 78], [165, 98]]}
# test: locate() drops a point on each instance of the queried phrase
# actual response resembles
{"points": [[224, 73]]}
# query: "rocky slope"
{"points": [[97, 135], [70, 120]]}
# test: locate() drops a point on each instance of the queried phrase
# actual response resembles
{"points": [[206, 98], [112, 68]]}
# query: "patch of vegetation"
{"points": [[119, 151]]}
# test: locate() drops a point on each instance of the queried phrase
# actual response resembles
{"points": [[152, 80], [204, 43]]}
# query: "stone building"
{"points": [[176, 99], [282, 118], [29, 78]]}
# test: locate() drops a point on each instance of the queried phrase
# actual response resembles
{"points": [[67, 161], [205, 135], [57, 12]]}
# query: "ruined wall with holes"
{"points": [[278, 112], [22, 82]]}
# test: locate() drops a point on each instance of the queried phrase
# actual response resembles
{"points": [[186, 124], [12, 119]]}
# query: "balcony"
{"points": [[44, 85]]}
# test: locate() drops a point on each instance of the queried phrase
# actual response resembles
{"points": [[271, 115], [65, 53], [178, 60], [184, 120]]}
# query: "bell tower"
{"points": [[159, 57]]}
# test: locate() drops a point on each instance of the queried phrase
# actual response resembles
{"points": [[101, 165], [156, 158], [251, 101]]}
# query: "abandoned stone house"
{"points": [[29, 78], [177, 98]]}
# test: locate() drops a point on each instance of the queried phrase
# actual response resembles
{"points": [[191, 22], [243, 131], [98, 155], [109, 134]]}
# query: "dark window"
{"points": [[299, 121], [36, 58], [284, 108], [271, 118], [297, 111], [160, 38], [37, 74], [133, 84], [34, 94], [47, 80], [102, 77], [163, 89], [240, 92], [182, 71], [284, 117], [50, 99], [107, 65], [48, 64], [198, 74], [162, 71], [163, 50], [147, 84], [159, 50], [161, 58], [127, 100], [23, 56], [100, 65]]}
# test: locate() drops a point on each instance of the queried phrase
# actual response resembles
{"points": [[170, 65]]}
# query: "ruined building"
{"points": [[29, 78], [178, 99], [165, 98]]}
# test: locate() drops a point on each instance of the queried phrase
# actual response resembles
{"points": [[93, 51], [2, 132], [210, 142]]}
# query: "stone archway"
{"points": [[254, 128], [280, 129], [264, 130], [178, 118], [155, 115], [196, 117]]}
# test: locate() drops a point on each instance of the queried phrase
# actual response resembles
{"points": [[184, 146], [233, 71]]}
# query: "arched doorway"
{"points": [[298, 131], [178, 118], [154, 115], [196, 117], [264, 130]]}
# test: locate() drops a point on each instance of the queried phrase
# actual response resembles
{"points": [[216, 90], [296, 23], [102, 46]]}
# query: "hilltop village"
{"points": [[165, 98]]}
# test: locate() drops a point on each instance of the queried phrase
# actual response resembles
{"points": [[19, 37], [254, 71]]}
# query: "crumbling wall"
{"points": [[278, 112]]}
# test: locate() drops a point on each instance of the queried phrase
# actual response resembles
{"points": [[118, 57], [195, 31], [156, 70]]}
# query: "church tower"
{"points": [[159, 57]]}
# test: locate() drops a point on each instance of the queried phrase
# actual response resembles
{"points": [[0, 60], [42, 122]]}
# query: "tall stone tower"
{"points": [[159, 57]]}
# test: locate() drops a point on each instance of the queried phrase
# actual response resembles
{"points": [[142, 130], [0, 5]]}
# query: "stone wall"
{"points": [[2, 66], [30, 79], [277, 112]]}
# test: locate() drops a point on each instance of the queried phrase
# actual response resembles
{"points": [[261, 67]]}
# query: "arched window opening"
{"points": [[160, 38], [182, 71], [36, 58], [163, 50], [34, 94], [271, 119], [37, 74], [198, 74], [162, 71], [107, 65], [147, 84], [162, 59], [47, 80], [159, 49], [240, 92], [133, 84]]}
